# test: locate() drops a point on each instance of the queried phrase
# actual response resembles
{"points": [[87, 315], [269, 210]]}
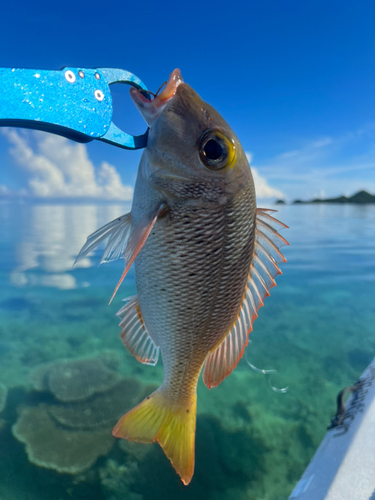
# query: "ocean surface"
{"points": [[65, 376]]}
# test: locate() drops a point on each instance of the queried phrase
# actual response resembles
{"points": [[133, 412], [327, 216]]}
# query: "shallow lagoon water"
{"points": [[252, 443]]}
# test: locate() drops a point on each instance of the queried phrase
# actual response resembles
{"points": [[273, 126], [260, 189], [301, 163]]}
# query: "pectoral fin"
{"points": [[222, 361], [137, 239], [117, 231]]}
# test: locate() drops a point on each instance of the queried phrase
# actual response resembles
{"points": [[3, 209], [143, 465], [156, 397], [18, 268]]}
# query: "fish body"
{"points": [[192, 271], [204, 259]]}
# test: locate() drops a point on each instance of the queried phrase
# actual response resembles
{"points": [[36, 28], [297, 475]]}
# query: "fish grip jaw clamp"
{"points": [[71, 102]]}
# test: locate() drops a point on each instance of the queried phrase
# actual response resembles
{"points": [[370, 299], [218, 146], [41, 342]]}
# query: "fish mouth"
{"points": [[151, 108]]}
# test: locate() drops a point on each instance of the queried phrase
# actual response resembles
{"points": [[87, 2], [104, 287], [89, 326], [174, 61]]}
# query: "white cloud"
{"points": [[328, 166], [321, 143], [249, 157], [262, 188], [58, 168]]}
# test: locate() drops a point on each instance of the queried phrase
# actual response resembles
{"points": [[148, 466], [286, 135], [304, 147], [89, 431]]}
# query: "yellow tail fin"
{"points": [[172, 425]]}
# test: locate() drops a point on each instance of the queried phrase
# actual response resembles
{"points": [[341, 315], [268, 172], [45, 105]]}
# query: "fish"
{"points": [[205, 258]]}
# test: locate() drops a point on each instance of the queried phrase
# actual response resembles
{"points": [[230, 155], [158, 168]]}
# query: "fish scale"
{"points": [[189, 293]]}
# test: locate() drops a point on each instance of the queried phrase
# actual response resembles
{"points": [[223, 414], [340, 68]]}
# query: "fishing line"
{"points": [[268, 373], [146, 92]]}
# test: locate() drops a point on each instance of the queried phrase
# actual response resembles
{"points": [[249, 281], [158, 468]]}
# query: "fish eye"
{"points": [[215, 150]]}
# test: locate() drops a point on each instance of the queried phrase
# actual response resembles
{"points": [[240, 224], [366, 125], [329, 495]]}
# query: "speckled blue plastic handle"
{"points": [[72, 102]]}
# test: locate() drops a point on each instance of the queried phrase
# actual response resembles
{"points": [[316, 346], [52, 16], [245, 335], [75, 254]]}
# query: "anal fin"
{"points": [[134, 333]]}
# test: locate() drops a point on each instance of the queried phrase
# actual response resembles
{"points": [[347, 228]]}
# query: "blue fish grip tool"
{"points": [[73, 102]]}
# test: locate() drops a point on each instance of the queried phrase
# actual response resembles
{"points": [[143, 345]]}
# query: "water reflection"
{"points": [[330, 244], [51, 239], [44, 240]]}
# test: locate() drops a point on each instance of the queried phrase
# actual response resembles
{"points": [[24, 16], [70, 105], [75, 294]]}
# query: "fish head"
{"points": [[191, 151]]}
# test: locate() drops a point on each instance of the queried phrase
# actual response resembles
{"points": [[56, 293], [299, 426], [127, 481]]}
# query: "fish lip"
{"points": [[151, 109], [175, 79]]}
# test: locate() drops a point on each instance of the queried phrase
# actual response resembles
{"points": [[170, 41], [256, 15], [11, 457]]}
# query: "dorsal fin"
{"points": [[134, 333], [221, 362]]}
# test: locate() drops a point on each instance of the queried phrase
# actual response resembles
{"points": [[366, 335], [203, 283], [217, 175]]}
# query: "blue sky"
{"points": [[295, 80]]}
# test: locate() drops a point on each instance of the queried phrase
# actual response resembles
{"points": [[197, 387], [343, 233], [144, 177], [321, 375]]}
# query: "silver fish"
{"points": [[205, 258]]}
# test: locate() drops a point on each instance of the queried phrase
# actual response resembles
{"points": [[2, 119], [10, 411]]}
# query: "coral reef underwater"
{"points": [[87, 400], [3, 396]]}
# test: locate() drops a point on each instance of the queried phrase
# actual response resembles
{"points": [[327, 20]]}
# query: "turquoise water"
{"points": [[316, 330]]}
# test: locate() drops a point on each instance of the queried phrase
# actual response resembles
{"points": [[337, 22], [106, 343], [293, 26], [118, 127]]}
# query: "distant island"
{"points": [[362, 197]]}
